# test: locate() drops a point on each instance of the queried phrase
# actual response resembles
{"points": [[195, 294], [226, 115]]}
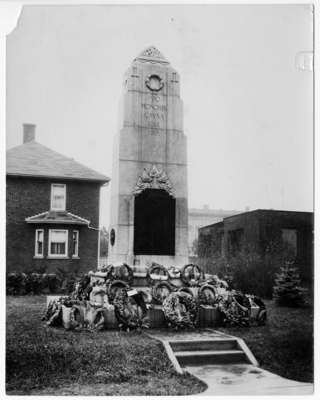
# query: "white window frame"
{"points": [[65, 197], [65, 255], [76, 254], [36, 254]]}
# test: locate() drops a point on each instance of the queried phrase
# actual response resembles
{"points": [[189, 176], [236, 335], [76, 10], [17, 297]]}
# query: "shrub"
{"points": [[288, 291], [19, 283], [248, 271], [35, 280], [50, 283], [14, 283], [53, 283]]}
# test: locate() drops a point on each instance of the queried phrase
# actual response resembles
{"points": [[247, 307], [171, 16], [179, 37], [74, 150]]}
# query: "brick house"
{"points": [[257, 230], [52, 208]]}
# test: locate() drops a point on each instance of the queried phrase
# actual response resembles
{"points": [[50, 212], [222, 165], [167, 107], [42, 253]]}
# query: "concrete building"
{"points": [[52, 210], [200, 217], [258, 230], [149, 205]]}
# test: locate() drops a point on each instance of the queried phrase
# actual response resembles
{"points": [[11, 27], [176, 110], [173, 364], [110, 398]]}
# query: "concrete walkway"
{"points": [[245, 379], [230, 379]]}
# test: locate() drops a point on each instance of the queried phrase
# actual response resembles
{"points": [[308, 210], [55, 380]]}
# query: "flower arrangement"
{"points": [[207, 295], [160, 291], [95, 292], [237, 309], [180, 310], [130, 311], [191, 274], [157, 272]]}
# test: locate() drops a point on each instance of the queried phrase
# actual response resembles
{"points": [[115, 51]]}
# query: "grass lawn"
{"points": [[285, 345], [52, 361], [43, 360]]}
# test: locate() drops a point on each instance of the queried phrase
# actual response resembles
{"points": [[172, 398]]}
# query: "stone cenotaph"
{"points": [[149, 204]]}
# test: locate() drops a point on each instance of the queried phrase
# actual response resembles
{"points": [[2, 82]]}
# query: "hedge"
{"points": [[20, 283]]}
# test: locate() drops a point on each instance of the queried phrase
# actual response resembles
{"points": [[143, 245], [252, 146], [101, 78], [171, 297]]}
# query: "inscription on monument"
{"points": [[154, 113]]}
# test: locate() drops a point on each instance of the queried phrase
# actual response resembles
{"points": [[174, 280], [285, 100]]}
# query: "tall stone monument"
{"points": [[149, 205]]}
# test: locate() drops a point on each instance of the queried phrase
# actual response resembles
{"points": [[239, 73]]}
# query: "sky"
{"points": [[246, 84]]}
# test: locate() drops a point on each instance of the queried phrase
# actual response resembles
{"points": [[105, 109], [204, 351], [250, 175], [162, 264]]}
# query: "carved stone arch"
{"points": [[153, 178]]}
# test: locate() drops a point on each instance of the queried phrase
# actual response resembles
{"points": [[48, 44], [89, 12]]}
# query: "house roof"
{"points": [[57, 217], [34, 159], [258, 211], [271, 211]]}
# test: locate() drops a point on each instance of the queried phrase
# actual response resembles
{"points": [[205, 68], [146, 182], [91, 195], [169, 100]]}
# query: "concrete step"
{"points": [[202, 357], [193, 345]]}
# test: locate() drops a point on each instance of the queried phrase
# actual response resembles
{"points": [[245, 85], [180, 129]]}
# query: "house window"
{"points": [[75, 244], [58, 243], [290, 240], [38, 252], [58, 197]]}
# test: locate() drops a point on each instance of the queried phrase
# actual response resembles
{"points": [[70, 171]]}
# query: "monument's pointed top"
{"points": [[152, 54]]}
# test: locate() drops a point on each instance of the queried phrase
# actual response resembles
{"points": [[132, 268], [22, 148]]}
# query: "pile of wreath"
{"points": [[115, 281], [180, 305], [129, 305], [73, 314]]}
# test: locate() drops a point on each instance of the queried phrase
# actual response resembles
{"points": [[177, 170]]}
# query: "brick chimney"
{"points": [[29, 132]]}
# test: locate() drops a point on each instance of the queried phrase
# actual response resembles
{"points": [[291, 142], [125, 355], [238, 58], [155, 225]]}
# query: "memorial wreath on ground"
{"points": [[168, 297]]}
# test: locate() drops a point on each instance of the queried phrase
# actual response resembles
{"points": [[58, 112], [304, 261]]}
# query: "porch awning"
{"points": [[57, 217]]}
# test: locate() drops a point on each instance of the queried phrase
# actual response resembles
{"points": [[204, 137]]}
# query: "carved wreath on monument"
{"points": [[153, 179], [154, 83]]}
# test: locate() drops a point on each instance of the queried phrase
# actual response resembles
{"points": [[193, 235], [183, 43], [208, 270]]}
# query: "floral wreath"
{"points": [[234, 310], [186, 290], [154, 274], [53, 314], [123, 272], [157, 293], [188, 278], [130, 312], [82, 289], [114, 287], [207, 295], [180, 310], [174, 272], [217, 282]]}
